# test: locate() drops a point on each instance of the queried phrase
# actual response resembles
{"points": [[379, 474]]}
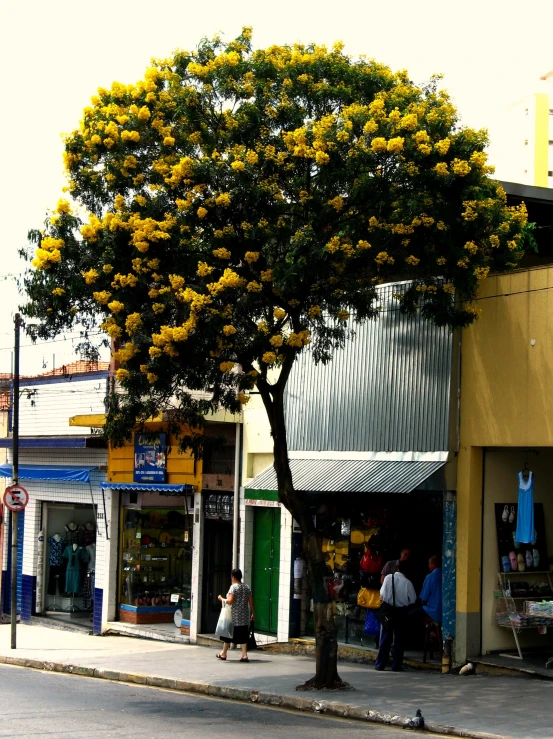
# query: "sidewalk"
{"points": [[479, 705]]}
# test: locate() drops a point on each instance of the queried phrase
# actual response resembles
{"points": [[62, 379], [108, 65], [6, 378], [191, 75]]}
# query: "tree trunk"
{"points": [[326, 642]]}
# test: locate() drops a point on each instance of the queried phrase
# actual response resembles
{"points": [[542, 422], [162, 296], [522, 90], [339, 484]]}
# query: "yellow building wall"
{"points": [[541, 147], [506, 389], [507, 363], [182, 468]]}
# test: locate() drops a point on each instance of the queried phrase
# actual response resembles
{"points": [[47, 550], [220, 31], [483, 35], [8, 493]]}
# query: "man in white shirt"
{"points": [[397, 591]]}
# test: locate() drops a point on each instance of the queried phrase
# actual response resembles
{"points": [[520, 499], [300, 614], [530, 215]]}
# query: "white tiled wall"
{"points": [[68, 493], [283, 630]]}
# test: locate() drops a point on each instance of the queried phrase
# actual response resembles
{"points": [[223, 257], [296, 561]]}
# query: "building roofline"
{"points": [[530, 193]]}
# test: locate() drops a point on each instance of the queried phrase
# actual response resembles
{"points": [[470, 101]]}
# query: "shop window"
{"points": [[219, 461], [156, 564]]}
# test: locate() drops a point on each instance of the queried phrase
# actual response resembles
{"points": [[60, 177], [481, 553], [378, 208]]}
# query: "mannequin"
{"points": [[75, 556], [72, 533], [56, 562], [89, 534]]}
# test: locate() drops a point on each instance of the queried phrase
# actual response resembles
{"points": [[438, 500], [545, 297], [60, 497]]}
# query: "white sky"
{"points": [[55, 53]]}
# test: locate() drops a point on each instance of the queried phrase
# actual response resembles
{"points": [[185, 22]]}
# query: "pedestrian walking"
{"points": [[397, 593], [240, 598]]}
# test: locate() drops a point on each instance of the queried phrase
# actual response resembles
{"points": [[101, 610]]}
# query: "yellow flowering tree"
{"points": [[236, 206]]}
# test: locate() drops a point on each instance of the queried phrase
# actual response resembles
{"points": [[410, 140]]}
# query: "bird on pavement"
{"points": [[417, 722]]}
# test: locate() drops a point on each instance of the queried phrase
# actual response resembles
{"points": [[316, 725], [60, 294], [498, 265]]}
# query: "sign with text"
{"points": [[150, 458]]}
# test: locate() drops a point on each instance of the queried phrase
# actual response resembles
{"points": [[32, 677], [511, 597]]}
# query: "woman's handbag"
{"points": [[386, 612], [252, 644], [225, 627]]}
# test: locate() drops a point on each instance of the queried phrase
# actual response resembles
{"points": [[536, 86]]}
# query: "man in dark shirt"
{"points": [[391, 566]]}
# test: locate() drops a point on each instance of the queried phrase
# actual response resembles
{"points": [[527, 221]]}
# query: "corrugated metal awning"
{"points": [[350, 476]]}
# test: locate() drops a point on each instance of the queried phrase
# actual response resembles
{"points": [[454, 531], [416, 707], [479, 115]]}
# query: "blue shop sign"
{"points": [[150, 458]]}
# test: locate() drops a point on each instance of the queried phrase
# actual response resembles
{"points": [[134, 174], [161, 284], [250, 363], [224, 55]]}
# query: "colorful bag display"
{"points": [[371, 562], [372, 624], [367, 598]]}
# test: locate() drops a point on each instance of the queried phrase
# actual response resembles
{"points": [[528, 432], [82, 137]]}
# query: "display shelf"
{"points": [[526, 572], [512, 617]]}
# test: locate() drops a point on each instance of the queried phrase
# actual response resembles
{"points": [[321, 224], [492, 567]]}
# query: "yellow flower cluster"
{"points": [[251, 256], [116, 306], [221, 253], [126, 353], [122, 375], [276, 340], [299, 339], [269, 358], [102, 297], [229, 330], [133, 323], [58, 291], [460, 167], [91, 276], [110, 327], [226, 366], [223, 200], [48, 253]]}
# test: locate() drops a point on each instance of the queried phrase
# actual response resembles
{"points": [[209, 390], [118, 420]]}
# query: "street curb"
{"points": [[245, 695]]}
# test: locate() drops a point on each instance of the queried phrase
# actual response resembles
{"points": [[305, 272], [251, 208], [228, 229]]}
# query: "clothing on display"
{"points": [[72, 533], [525, 511], [57, 546], [88, 591], [56, 579], [89, 534], [75, 556], [91, 551]]}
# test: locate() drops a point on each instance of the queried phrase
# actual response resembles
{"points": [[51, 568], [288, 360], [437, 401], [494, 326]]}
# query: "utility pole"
{"points": [[15, 476]]}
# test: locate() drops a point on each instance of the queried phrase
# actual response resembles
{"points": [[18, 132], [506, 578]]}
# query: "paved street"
{"points": [[506, 706], [36, 704]]}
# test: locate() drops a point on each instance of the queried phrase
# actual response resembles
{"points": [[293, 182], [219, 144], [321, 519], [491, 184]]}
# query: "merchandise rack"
{"points": [[517, 619]]}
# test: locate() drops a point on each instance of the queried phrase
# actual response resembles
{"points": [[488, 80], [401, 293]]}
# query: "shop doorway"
{"points": [[69, 561], [217, 566], [266, 568]]}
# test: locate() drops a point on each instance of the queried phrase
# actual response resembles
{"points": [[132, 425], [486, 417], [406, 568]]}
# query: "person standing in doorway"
{"points": [[240, 598], [393, 564], [431, 593], [398, 593]]}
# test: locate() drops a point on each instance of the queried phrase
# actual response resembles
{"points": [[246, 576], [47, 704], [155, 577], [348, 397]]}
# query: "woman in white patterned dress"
{"points": [[240, 598]]}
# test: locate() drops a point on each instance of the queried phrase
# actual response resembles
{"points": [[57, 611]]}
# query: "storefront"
{"points": [[63, 538], [154, 577], [517, 576], [365, 511]]}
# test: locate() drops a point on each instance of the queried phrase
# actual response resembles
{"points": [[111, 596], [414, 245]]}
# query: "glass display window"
{"points": [[156, 563]]}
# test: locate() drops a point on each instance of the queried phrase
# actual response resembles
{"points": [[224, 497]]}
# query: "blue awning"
{"points": [[45, 472], [145, 486]]}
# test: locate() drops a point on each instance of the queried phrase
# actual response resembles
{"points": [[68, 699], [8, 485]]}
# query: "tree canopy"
{"points": [[237, 205]]}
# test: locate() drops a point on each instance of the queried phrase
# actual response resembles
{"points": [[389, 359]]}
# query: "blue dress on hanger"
{"points": [[525, 512]]}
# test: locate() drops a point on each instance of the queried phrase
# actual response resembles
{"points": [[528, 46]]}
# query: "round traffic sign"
{"points": [[16, 498]]}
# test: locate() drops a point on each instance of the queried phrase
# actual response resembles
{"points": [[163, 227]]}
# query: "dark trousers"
{"points": [[395, 635]]}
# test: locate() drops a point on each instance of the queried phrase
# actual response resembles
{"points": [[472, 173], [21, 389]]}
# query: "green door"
{"points": [[266, 568]]}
